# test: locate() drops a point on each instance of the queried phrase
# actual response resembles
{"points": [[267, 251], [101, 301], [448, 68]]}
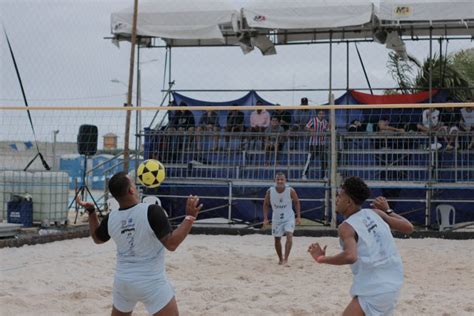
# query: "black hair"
{"points": [[119, 184], [356, 189], [280, 173]]}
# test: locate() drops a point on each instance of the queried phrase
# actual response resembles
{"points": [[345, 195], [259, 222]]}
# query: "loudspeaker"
{"points": [[87, 140]]}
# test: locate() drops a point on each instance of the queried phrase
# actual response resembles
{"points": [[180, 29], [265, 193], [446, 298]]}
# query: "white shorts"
{"points": [[378, 305], [280, 228], [154, 294]]}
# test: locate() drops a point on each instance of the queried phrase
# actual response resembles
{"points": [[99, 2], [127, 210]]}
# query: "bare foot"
{"points": [[285, 263], [281, 262]]}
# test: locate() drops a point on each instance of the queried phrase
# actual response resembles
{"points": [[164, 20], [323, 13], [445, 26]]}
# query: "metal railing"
{"points": [[374, 156]]}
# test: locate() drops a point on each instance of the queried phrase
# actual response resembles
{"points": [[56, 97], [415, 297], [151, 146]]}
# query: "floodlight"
{"points": [[265, 45]]}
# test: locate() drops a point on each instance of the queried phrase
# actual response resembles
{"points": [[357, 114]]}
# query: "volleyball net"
{"points": [[400, 143]]}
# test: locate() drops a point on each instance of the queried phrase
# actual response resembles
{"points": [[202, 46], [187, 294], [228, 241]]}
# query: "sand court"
{"points": [[232, 275]]}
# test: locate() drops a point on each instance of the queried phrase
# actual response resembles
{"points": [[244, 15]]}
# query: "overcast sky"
{"points": [[64, 60]]}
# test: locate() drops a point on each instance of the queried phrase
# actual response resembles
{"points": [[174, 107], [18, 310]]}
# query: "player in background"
{"points": [[282, 198]]}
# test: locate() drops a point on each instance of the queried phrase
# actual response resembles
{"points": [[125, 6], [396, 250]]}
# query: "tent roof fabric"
{"points": [[221, 22], [307, 14], [184, 19]]}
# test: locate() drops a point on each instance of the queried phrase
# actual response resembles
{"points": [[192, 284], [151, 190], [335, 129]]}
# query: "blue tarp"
{"points": [[343, 117], [251, 98]]}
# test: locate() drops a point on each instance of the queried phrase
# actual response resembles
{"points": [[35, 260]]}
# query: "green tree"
{"points": [[454, 72]]}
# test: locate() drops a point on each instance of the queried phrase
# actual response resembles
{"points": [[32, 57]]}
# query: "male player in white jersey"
{"points": [[141, 232], [282, 197], [369, 247]]}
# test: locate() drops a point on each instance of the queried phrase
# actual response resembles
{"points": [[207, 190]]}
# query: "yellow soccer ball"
{"points": [[151, 173]]}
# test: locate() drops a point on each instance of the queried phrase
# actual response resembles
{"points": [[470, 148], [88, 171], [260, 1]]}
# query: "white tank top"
{"points": [[282, 205], [378, 268], [140, 254]]}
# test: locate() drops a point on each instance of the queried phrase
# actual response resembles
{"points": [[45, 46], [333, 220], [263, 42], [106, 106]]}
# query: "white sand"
{"points": [[230, 275]]}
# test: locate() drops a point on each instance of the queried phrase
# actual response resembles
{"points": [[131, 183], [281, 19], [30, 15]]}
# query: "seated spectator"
{"points": [[356, 126], [383, 125], [259, 121], [209, 122], [451, 118], [284, 117], [300, 119], [432, 123], [468, 123], [182, 121], [235, 123], [273, 139]]}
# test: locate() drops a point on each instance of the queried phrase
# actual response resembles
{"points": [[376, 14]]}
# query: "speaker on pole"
{"points": [[87, 140]]}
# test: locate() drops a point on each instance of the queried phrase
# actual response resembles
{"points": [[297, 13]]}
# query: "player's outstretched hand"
{"points": [[316, 251], [380, 203], [192, 206], [84, 204]]}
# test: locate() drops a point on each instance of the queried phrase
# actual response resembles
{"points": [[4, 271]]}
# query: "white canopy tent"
{"points": [[213, 22], [266, 23], [222, 22]]}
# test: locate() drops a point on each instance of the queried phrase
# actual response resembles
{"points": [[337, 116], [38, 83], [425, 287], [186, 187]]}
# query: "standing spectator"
{"points": [[235, 123], [259, 121], [209, 122], [318, 127], [468, 123], [300, 119], [273, 139]]}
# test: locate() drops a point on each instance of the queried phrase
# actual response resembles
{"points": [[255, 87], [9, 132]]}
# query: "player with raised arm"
{"points": [[141, 232], [369, 247]]}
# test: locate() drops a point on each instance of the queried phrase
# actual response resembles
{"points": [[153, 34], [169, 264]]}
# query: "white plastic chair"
{"points": [[151, 199], [443, 215], [112, 204]]}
